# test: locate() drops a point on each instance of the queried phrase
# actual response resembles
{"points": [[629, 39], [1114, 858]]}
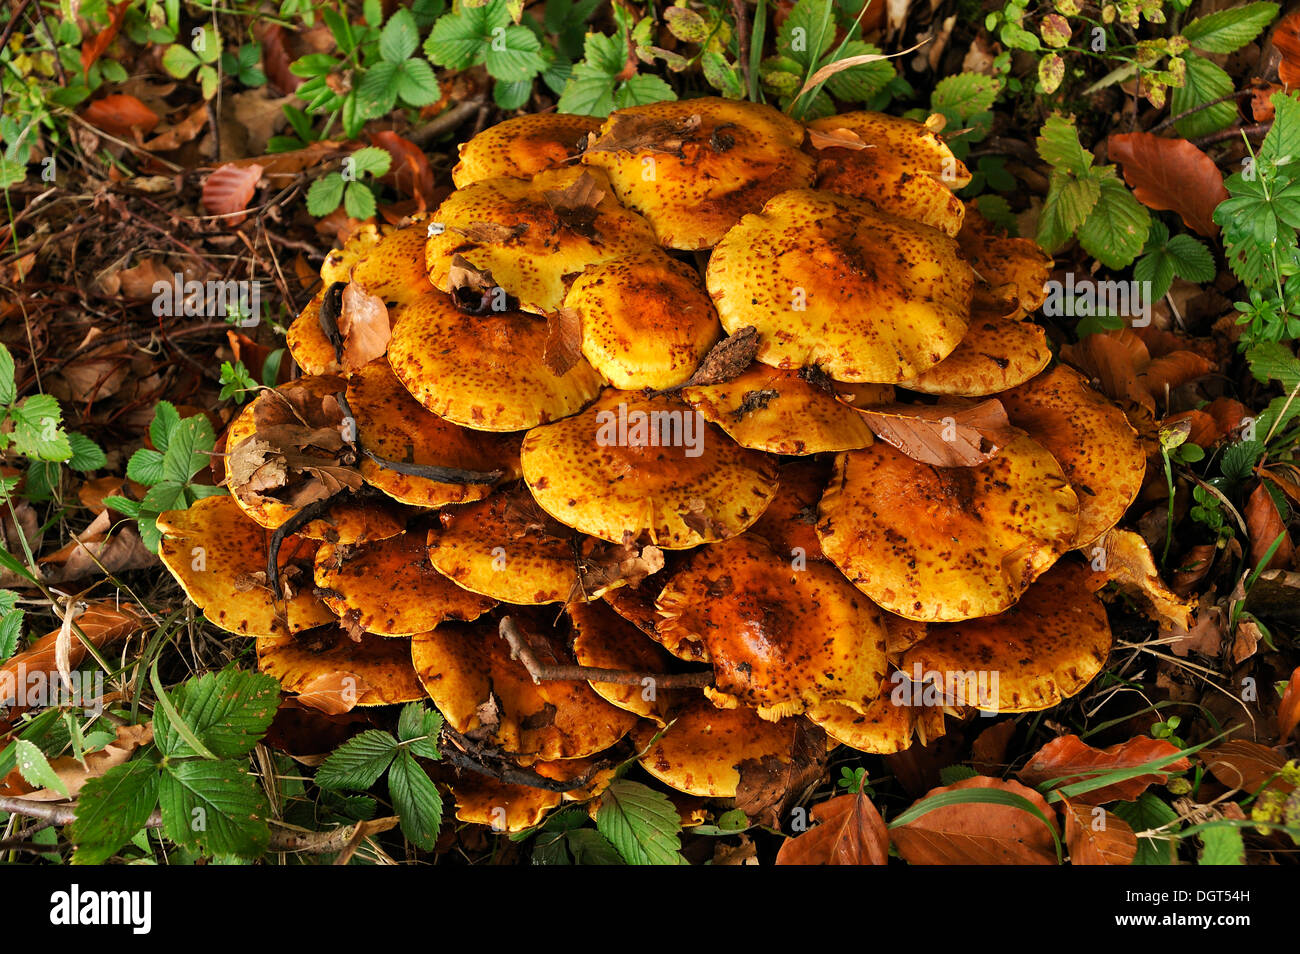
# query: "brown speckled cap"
{"points": [[830, 281], [394, 267], [942, 544], [1097, 447], [1013, 272], [603, 639], [696, 186], [307, 342], [996, 353], [523, 146], [781, 638], [381, 667], [389, 588], [587, 472]]}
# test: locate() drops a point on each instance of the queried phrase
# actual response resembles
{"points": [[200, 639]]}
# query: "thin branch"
{"points": [[295, 523], [467, 754]]}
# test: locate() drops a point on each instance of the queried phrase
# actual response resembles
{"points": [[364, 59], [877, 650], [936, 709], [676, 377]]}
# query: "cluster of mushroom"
{"points": [[636, 388]]}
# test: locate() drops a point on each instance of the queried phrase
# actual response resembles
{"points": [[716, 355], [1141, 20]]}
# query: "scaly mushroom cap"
{"points": [[1097, 447], [393, 425], [485, 372], [534, 235], [521, 147], [829, 281], [636, 604], [338, 264], [699, 753], [777, 411], [647, 320], [996, 354], [1012, 272], [477, 687], [507, 808], [694, 167], [1040, 652], [603, 639], [376, 669], [389, 588], [622, 470], [508, 548], [780, 639], [789, 524], [942, 544], [905, 169], [307, 342], [394, 268], [219, 557], [888, 725]]}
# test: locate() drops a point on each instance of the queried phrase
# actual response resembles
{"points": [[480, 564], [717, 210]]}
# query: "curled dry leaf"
{"points": [[638, 133], [1069, 759], [229, 189], [1286, 38], [364, 325], [121, 115], [1097, 837], [726, 359], [1123, 557], [1288, 710], [1265, 526], [768, 784], [836, 139], [943, 435], [332, 693], [563, 348], [179, 133], [98, 41], [1171, 175], [1244, 765], [972, 833], [410, 173], [74, 774], [850, 831]]}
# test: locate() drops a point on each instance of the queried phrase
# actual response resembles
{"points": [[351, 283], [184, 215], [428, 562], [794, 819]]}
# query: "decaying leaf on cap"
{"points": [[522, 146]]}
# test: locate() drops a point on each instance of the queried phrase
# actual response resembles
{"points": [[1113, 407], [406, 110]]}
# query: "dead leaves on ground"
{"points": [[1069, 759], [849, 831], [1172, 175]]}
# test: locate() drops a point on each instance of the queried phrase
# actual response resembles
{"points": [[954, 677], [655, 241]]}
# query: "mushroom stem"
{"points": [[519, 649]]}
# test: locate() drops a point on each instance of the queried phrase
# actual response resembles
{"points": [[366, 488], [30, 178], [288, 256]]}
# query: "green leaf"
{"points": [[1205, 82], [1116, 229], [459, 40], [419, 727], [1058, 144], [807, 32], [399, 37], [86, 454], [37, 432], [416, 84], [1239, 460], [417, 801], [604, 53], [165, 421], [641, 89], [359, 201], [640, 823], [513, 54], [111, 809], [179, 60], [1229, 30], [964, 95], [1222, 844], [187, 453], [1282, 144], [123, 505], [511, 96], [590, 847], [163, 496], [11, 629], [325, 195], [1273, 361], [1156, 267], [35, 769], [1147, 813], [587, 93], [859, 83], [8, 389], [41, 479], [145, 466], [1069, 202], [227, 711], [214, 808], [377, 93], [371, 160], [358, 762], [1191, 259]]}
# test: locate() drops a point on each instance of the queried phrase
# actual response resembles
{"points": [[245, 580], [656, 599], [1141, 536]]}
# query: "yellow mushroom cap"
{"points": [[378, 670], [486, 372], [905, 169], [523, 146], [942, 544], [478, 688], [307, 342], [829, 281], [888, 725], [219, 556], [647, 320], [389, 588], [636, 604], [1012, 272], [789, 524], [780, 639], [393, 425], [393, 268], [503, 807], [630, 467], [338, 264], [699, 753], [694, 167], [508, 548], [1042, 651], [1090, 437], [522, 232], [605, 640], [777, 411], [996, 354]]}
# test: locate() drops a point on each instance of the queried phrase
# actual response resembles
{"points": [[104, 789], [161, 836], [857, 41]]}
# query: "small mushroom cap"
{"points": [[389, 588], [1090, 437], [520, 231], [636, 604], [699, 753], [522, 147], [768, 409], [996, 354], [508, 548], [905, 169], [647, 320], [394, 267], [503, 807], [780, 639], [789, 524], [219, 557], [338, 264], [485, 372], [889, 725], [1037, 654], [623, 470], [603, 639], [829, 281], [942, 544], [307, 342], [694, 167], [1012, 272], [478, 688], [379, 668], [396, 427]]}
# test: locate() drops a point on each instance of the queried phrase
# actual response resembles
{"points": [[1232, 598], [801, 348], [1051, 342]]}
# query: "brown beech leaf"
{"points": [[364, 325], [1245, 765], [616, 564], [74, 774], [943, 435], [842, 138], [726, 359], [1113, 359], [850, 831], [229, 189], [121, 115], [1173, 370], [1265, 525], [1288, 710], [1286, 38], [1097, 837], [633, 133], [563, 348], [1171, 175], [332, 693], [978, 833], [276, 59], [98, 41], [410, 173], [766, 785], [179, 133], [1069, 759]]}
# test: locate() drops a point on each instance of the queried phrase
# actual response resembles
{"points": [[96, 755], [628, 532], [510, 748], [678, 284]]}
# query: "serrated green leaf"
{"points": [[214, 808], [86, 454], [325, 195], [37, 432], [1058, 144], [807, 32], [640, 823], [399, 37], [11, 628], [1222, 845], [590, 847], [511, 96], [1229, 30], [1157, 268], [1238, 461], [123, 505], [418, 726], [416, 799], [416, 84], [111, 809], [641, 90], [1273, 361], [179, 60], [857, 84], [188, 452], [358, 762], [1146, 814], [377, 93], [8, 388], [1116, 229], [359, 201], [145, 467], [163, 496], [1191, 259], [228, 711], [964, 95], [41, 479], [370, 160], [513, 54], [459, 40], [165, 421], [35, 768], [587, 93], [1205, 83]]}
